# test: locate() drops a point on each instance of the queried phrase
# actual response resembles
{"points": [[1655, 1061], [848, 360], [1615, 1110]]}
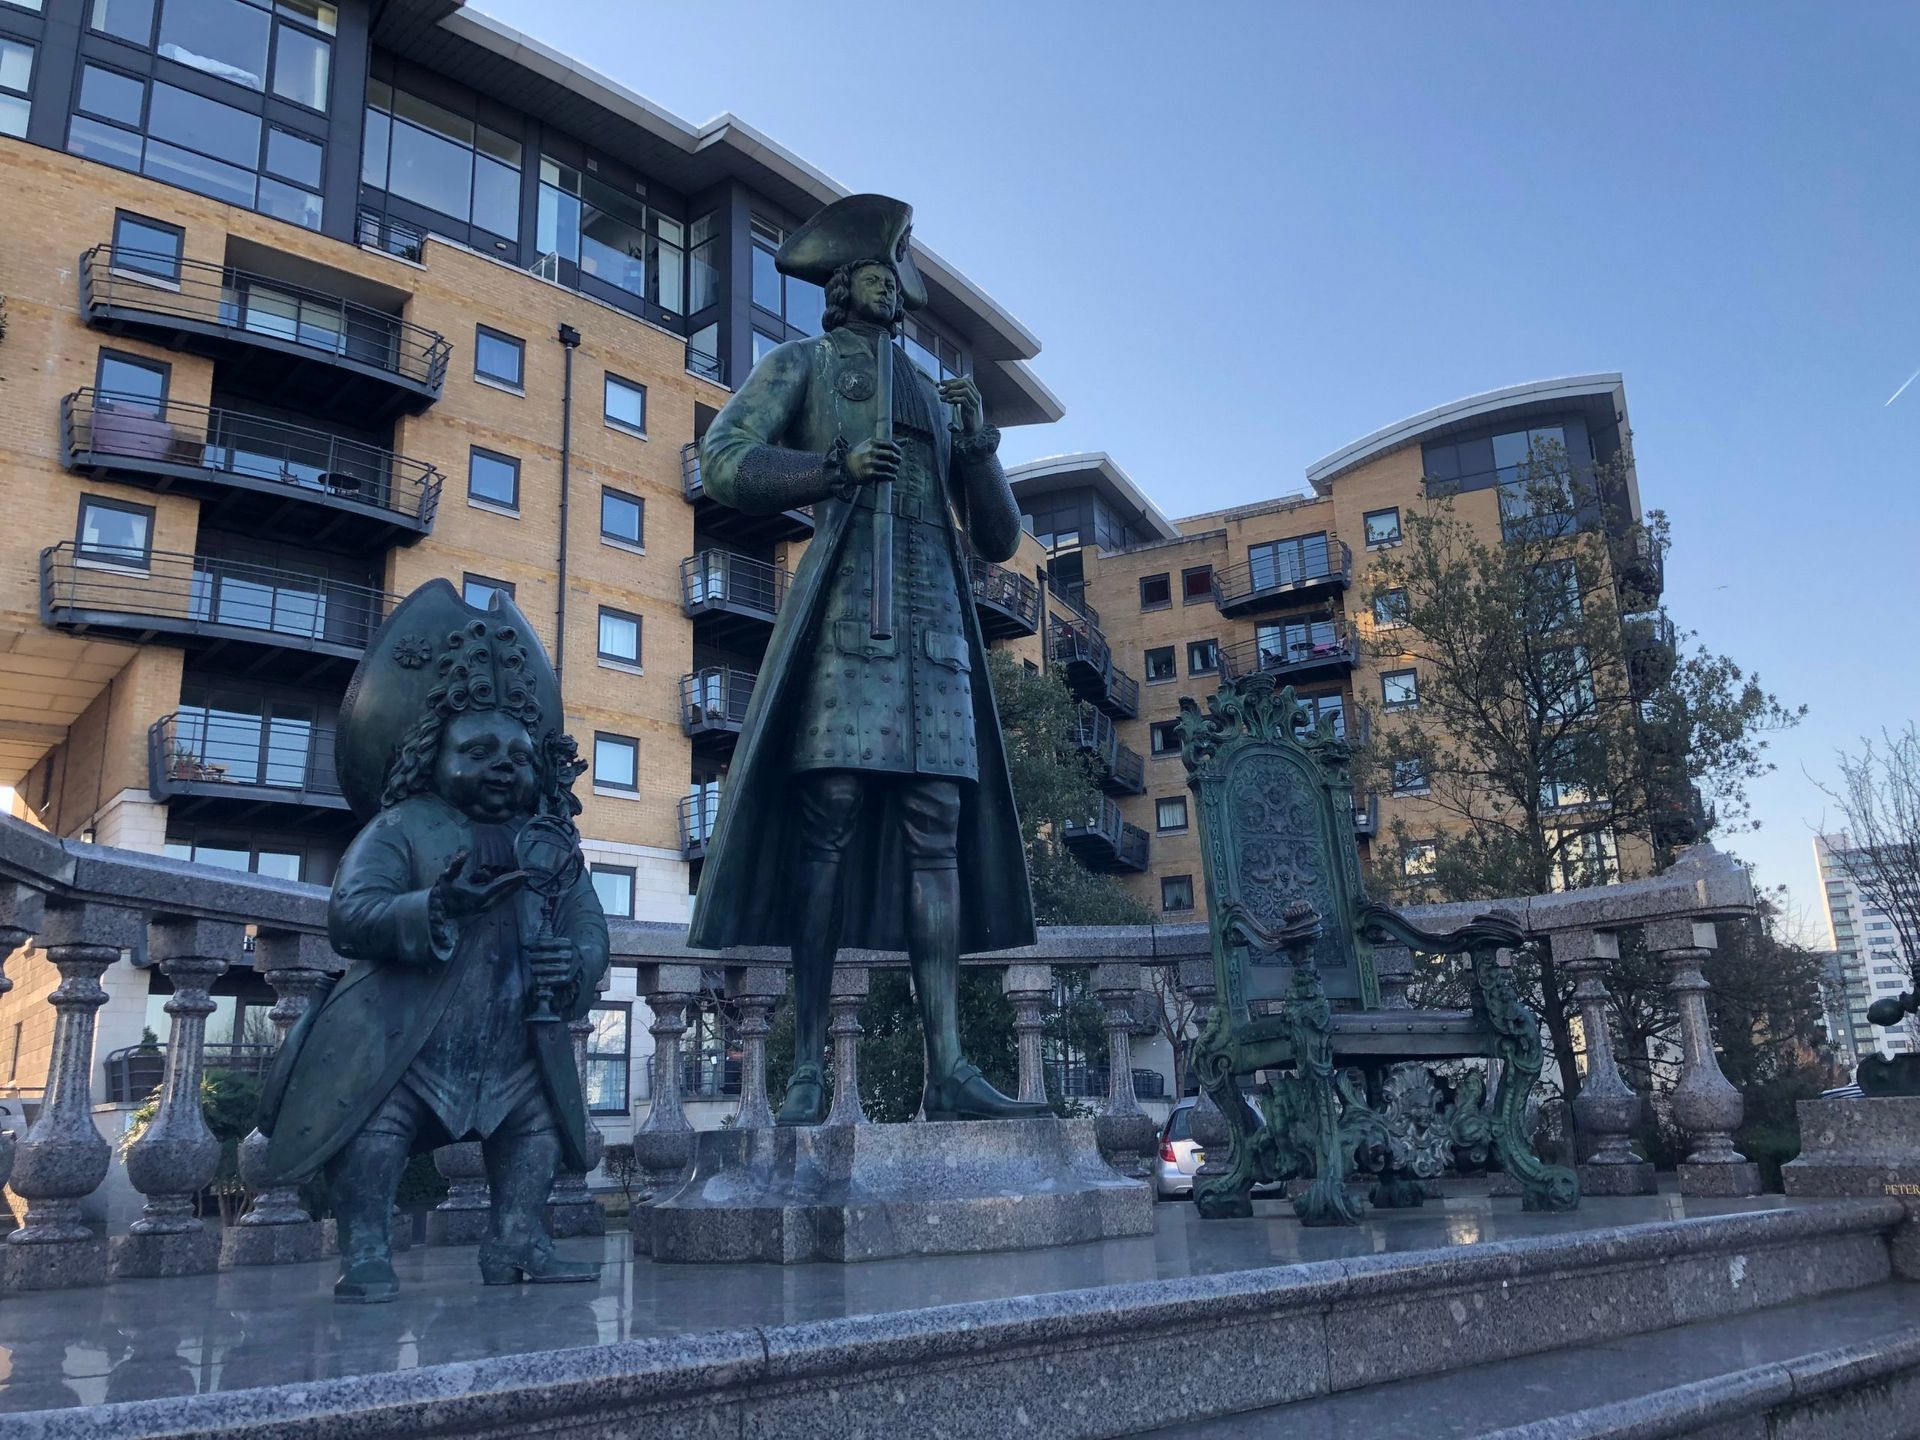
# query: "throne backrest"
{"points": [[1275, 808]]}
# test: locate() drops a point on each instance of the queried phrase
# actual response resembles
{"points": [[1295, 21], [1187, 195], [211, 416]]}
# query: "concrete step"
{"points": [[1846, 1365], [1116, 1359]]}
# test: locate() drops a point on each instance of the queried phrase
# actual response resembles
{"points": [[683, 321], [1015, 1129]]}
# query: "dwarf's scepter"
{"points": [[881, 614]]}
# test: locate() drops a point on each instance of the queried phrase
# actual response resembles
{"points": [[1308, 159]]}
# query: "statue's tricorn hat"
{"points": [[477, 659], [850, 230]]}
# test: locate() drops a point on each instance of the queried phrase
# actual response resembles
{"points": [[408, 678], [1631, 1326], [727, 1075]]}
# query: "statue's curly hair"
{"points": [[840, 296], [482, 667]]}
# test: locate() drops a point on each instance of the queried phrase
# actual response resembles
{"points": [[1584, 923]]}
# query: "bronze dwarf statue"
{"points": [[473, 935]]}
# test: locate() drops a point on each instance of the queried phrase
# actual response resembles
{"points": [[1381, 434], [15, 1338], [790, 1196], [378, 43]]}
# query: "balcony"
{"points": [[133, 1074], [1311, 568], [241, 767], [1366, 816], [707, 367], [320, 351], [737, 527], [1086, 662], [1318, 651], [713, 704], [1117, 768], [1639, 568], [259, 476], [1008, 604], [1652, 651], [1105, 843], [271, 620], [733, 598], [699, 810]]}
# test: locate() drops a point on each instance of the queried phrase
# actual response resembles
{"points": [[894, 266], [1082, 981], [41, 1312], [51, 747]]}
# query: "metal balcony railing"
{"points": [[1011, 595], [707, 367], [1123, 694], [715, 699], [133, 434], [699, 811], [690, 470], [1073, 641], [722, 580], [136, 1072], [1285, 571], [1094, 734], [710, 1077], [276, 756], [1320, 645], [1652, 651], [1129, 770], [1105, 841], [200, 297], [1640, 567], [175, 593]]}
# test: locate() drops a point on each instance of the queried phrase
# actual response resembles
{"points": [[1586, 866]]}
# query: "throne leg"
{"points": [[1542, 1186], [1326, 1200], [1227, 1196]]}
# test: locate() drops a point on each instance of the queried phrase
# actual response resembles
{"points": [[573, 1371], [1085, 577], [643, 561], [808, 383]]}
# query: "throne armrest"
{"points": [[1494, 930]]}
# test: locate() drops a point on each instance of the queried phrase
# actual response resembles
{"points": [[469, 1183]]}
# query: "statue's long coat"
{"points": [[345, 1056], [796, 398]]}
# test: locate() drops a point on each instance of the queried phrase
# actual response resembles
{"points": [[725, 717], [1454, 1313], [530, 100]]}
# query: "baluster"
{"points": [[1125, 1132], [63, 1158], [277, 1230], [756, 989], [849, 993], [571, 1208], [1606, 1108], [22, 912], [1030, 988], [1705, 1102], [177, 1156], [663, 1142]]}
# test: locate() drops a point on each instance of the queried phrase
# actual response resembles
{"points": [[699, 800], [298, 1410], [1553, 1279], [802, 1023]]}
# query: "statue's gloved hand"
{"points": [[556, 965], [458, 893]]}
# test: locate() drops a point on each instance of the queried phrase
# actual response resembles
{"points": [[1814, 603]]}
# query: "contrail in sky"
{"points": [[1903, 387]]}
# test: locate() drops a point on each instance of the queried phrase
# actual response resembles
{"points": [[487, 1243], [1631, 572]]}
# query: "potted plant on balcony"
{"points": [[183, 763]]}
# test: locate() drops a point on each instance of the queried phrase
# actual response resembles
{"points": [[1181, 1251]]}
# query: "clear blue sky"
{"points": [[1247, 234]]}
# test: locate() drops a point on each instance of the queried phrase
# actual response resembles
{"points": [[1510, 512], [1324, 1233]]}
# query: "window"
{"points": [[619, 636], [1280, 563], [1585, 859], [626, 405], [1410, 775], [1318, 708], [1555, 600], [1288, 642], [1561, 767], [800, 303], [1400, 689], [499, 357], [1170, 813], [622, 517], [1159, 664], [112, 96], [1164, 738], [931, 351], [16, 85], [609, 1059], [614, 885], [493, 478], [703, 264], [129, 20], [479, 590], [125, 382], [1567, 682], [427, 154], [1203, 656], [763, 344], [228, 38], [616, 762], [1419, 858], [1383, 527], [609, 233], [1156, 592], [1390, 609], [1196, 584], [1176, 893], [114, 532]]}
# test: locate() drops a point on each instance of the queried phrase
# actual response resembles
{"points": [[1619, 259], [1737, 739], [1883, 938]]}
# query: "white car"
{"points": [[1180, 1157]]}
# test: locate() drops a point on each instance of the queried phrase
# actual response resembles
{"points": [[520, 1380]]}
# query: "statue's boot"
{"points": [[520, 1174], [806, 1102], [956, 1090], [816, 942], [362, 1180]]}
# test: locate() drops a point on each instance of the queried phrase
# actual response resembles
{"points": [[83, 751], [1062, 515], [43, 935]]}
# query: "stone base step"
{"points": [[1846, 1365], [1111, 1360]]}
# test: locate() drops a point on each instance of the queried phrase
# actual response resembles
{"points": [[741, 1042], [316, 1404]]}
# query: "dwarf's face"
{"points": [[875, 293], [485, 767]]}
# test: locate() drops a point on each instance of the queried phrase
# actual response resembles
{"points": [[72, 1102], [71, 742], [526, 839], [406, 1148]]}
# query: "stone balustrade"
{"points": [[86, 906]]}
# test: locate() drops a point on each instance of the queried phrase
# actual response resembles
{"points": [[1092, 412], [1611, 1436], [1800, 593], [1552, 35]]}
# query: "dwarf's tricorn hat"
{"points": [[436, 651], [857, 228]]}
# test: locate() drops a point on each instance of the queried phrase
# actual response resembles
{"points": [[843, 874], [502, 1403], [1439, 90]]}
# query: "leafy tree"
{"points": [[228, 1100], [1548, 725]]}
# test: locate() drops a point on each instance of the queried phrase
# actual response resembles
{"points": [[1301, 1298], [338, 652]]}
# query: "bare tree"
{"points": [[1879, 795], [1174, 1014]]}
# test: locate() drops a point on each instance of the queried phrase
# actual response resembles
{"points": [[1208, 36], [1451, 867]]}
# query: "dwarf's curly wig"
{"points": [[482, 667], [840, 296]]}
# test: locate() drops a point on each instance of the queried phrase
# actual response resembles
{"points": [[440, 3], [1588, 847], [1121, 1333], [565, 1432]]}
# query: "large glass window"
{"points": [[228, 38], [111, 95], [800, 303], [609, 1059], [1288, 562], [16, 85], [703, 264], [245, 41], [611, 235], [130, 20], [425, 153]]}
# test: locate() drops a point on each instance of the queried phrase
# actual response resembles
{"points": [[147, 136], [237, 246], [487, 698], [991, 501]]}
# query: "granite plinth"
{"points": [[60, 1266], [1741, 1177], [1867, 1146], [294, 1243], [1634, 1179], [867, 1192], [171, 1252]]}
